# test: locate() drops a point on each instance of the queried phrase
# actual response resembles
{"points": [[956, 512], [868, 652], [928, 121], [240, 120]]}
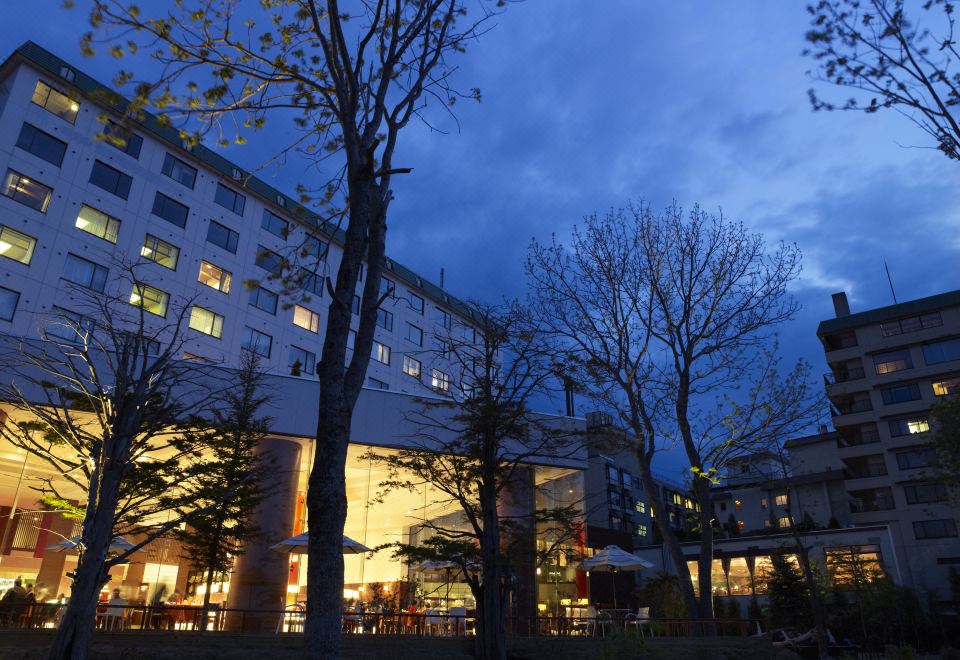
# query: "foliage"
{"points": [[789, 597], [890, 56], [946, 441], [661, 593]]}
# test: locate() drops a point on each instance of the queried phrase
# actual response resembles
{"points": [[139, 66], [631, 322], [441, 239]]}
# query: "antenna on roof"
{"points": [[890, 280], [441, 278]]}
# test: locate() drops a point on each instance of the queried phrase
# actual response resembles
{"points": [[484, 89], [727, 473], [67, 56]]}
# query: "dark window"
{"points": [[356, 304], [275, 224], [85, 273], [170, 210], [911, 324], [179, 171], [925, 493], [230, 199], [27, 191], [385, 319], [387, 287], [300, 360], [416, 302], [263, 299], [311, 282], [942, 351], [377, 384], [269, 260], [415, 334], [916, 458], [315, 249], [443, 318], [257, 342], [8, 303], [935, 529], [42, 145], [222, 236], [123, 139], [900, 393], [68, 326], [112, 180], [890, 361]]}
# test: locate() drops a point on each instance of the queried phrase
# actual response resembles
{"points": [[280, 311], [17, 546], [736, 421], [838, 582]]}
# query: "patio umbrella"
{"points": [[613, 558], [117, 544], [298, 544]]}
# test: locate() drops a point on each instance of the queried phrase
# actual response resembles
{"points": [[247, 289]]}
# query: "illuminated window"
{"points": [[380, 353], [150, 299], [641, 530], [15, 245], [440, 381], [641, 506], [891, 361], [738, 504], [97, 223], [678, 499], [781, 499], [411, 366], [783, 522], [28, 192], [160, 252], [910, 426], [763, 502], [854, 564], [207, 322], [214, 277], [945, 387], [306, 319], [55, 101], [741, 524]]}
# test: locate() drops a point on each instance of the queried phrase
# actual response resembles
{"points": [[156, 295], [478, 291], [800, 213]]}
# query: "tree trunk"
{"points": [[816, 602], [75, 631], [491, 633], [701, 488], [662, 520]]}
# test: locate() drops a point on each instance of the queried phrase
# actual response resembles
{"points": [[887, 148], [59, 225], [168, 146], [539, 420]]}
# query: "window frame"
{"points": [[380, 352], [164, 299], [275, 219], [98, 273], [215, 322], [232, 237], [121, 188], [111, 225], [162, 201], [31, 140], [172, 164], [6, 292], [116, 132], [19, 234], [313, 319], [224, 280], [260, 294], [248, 333], [408, 361], [155, 250], [237, 198], [74, 111], [20, 198]]}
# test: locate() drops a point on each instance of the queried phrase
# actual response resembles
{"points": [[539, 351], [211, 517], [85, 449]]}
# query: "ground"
{"points": [[30, 645]]}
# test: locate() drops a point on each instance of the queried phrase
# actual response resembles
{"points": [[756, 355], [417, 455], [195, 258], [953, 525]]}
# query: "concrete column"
{"points": [[517, 503], [133, 579], [259, 580], [53, 565]]}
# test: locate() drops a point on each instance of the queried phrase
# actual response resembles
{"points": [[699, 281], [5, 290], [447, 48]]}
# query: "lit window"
{"points": [[150, 299], [230, 199], [275, 224], [41, 144], [55, 101], [223, 236], [891, 361], [440, 381], [416, 302], [264, 300], [123, 139], [763, 502], [783, 522], [8, 303], [411, 366], [85, 273], [28, 192], [910, 426], [97, 223], [257, 342], [207, 322], [738, 504], [306, 319], [385, 319], [945, 387], [170, 210], [380, 353], [678, 499], [15, 245], [214, 277], [111, 179], [641, 530], [414, 334], [641, 506], [160, 252], [179, 171], [301, 361], [741, 524], [781, 500]]}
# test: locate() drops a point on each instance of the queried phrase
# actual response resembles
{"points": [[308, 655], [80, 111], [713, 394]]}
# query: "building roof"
{"points": [[880, 314], [69, 75], [816, 438]]}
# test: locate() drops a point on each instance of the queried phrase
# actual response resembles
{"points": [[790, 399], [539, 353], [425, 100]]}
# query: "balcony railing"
{"points": [[843, 375], [865, 437], [855, 406], [875, 503], [865, 471]]}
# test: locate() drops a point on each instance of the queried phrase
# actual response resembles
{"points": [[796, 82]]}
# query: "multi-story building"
{"points": [[887, 368], [76, 207]]}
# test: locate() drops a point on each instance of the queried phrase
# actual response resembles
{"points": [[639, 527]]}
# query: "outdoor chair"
{"points": [[114, 618], [586, 625], [434, 623], [458, 621], [292, 617], [639, 620]]}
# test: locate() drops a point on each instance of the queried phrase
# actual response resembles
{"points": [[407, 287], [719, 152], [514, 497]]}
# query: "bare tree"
{"points": [[889, 59], [475, 444], [668, 321], [105, 400], [351, 80]]}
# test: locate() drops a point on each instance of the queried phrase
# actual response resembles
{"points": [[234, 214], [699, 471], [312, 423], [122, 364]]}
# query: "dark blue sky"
{"points": [[586, 105]]}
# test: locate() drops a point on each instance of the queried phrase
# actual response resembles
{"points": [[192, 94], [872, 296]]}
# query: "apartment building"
{"points": [[887, 368]]}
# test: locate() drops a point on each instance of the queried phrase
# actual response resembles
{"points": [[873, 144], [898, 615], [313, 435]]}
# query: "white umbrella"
{"points": [[118, 544], [299, 543], [613, 558]]}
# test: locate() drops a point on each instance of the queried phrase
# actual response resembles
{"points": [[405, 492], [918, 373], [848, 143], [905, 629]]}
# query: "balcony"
{"points": [[861, 437], [874, 503], [843, 375], [852, 406], [865, 471]]}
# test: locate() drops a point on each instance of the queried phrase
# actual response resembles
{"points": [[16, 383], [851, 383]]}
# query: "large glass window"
{"points": [[920, 457], [16, 245], [8, 303], [306, 319], [55, 101], [85, 273], [222, 236], [41, 144], [900, 393], [380, 353], [387, 287], [311, 282], [27, 191], [443, 318], [942, 351], [205, 321], [110, 179], [908, 426], [170, 210], [946, 386], [925, 493], [151, 299], [257, 342], [160, 252], [179, 171], [891, 361], [214, 277], [230, 199], [301, 361], [854, 564], [274, 224], [98, 223], [935, 529], [122, 138], [263, 299]]}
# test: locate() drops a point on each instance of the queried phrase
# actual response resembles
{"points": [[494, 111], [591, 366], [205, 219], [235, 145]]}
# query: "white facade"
{"points": [[417, 311]]}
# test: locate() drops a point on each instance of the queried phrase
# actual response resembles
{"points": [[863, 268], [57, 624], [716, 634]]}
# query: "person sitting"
{"points": [[115, 615]]}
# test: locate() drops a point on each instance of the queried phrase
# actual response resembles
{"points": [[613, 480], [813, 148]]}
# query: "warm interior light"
{"points": [[293, 588], [74, 106]]}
